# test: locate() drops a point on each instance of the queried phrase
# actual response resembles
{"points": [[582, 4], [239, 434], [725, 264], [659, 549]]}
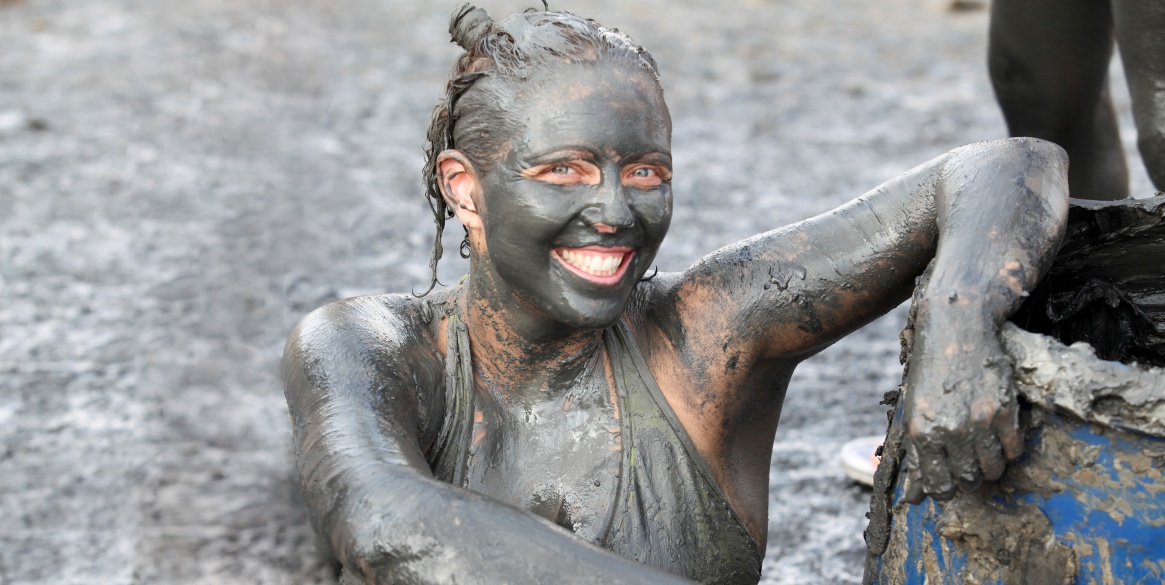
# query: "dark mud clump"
{"points": [[1107, 286]]}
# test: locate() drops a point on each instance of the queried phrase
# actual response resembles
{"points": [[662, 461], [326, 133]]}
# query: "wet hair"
{"points": [[498, 56]]}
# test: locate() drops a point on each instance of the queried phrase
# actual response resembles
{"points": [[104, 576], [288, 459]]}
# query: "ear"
{"points": [[459, 186]]}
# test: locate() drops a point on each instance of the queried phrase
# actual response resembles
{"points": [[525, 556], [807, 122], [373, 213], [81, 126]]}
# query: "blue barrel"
{"points": [[1084, 505]]}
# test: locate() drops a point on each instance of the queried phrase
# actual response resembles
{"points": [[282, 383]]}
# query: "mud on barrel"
{"points": [[1086, 502]]}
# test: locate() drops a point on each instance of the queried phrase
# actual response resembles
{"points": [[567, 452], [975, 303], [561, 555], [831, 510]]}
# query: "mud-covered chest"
{"points": [[560, 463]]}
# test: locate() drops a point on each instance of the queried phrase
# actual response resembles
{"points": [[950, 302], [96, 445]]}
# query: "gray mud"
{"points": [[181, 181]]}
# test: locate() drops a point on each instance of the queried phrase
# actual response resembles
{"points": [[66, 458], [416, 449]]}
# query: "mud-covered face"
{"points": [[574, 213]]}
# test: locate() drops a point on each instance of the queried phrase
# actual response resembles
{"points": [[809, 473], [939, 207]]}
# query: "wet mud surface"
{"points": [[181, 181]]}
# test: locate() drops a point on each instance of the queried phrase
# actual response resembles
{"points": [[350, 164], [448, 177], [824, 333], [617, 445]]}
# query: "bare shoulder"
{"points": [[381, 351], [387, 326], [712, 314], [692, 359]]}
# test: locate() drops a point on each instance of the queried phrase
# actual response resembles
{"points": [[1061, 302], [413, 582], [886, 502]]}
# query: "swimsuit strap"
{"points": [[450, 453], [635, 355]]}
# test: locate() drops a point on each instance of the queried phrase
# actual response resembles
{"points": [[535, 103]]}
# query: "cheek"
{"points": [[654, 210], [524, 214]]}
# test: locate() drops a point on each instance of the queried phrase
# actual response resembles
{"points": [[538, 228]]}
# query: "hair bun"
{"points": [[467, 24]]}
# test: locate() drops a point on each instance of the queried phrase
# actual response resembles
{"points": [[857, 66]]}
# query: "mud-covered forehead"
{"points": [[548, 60], [617, 110]]}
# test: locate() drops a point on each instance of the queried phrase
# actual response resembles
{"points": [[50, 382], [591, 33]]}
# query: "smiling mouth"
{"points": [[596, 263]]}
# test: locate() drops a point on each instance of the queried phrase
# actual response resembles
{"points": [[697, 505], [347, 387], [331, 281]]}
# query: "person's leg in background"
{"points": [[1048, 61], [1140, 32]]}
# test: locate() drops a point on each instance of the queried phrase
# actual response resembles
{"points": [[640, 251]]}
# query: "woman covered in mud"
{"points": [[558, 416]]}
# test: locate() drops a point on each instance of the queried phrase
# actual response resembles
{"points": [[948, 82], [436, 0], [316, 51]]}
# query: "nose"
{"points": [[609, 212]]}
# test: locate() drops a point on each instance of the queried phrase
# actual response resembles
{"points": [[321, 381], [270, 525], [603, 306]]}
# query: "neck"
{"points": [[520, 353]]}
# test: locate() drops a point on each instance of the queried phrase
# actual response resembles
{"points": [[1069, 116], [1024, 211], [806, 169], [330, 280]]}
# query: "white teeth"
{"points": [[592, 263]]}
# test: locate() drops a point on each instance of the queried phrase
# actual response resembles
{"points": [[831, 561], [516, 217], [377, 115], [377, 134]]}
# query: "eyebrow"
{"points": [[653, 156], [586, 154], [563, 154]]}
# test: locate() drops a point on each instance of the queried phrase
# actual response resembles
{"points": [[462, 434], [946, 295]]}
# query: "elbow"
{"points": [[1046, 176], [355, 531], [355, 538], [1045, 149], [1041, 165], [1025, 153], [1041, 172], [1020, 150], [1038, 167], [376, 533]]}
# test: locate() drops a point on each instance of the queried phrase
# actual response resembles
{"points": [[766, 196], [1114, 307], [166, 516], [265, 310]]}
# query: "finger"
{"points": [[1007, 429], [964, 463], [990, 453], [913, 489], [936, 474], [913, 492]]}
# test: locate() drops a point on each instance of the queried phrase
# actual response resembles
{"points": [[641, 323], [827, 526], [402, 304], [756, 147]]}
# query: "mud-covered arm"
{"points": [[990, 215], [353, 374], [1001, 216]]}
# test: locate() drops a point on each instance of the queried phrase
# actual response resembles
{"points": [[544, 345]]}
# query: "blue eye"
{"points": [[562, 170], [642, 172]]}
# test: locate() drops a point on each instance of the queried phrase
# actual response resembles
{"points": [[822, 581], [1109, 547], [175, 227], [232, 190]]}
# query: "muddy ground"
{"points": [[181, 180]]}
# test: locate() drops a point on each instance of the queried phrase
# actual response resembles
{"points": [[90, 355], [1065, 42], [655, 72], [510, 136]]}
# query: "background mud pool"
{"points": [[180, 181]]}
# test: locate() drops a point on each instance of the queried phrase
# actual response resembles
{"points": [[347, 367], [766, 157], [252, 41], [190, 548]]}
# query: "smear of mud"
{"points": [[1015, 543], [1072, 380], [1003, 534]]}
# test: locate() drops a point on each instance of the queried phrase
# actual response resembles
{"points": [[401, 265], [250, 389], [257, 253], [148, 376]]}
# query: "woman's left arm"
{"points": [[991, 215]]}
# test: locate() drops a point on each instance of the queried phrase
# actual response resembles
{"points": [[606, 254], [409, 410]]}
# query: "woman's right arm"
{"points": [[353, 373]]}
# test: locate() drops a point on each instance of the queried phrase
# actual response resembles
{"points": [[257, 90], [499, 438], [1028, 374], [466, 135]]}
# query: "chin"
{"points": [[583, 312], [577, 301]]}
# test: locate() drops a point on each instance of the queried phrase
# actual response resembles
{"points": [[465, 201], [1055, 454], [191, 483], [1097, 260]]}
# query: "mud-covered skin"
{"points": [[1049, 65], [608, 118], [961, 416], [364, 376], [365, 386]]}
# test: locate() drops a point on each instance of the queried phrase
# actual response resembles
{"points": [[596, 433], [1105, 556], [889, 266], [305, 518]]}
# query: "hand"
{"points": [[961, 414]]}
